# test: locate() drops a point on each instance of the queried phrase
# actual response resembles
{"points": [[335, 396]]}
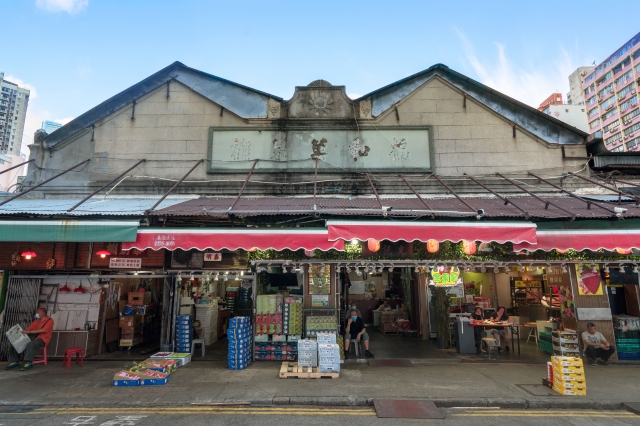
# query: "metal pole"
{"points": [[374, 190], [15, 167], [174, 186], [244, 185], [103, 187], [42, 183], [104, 320]]}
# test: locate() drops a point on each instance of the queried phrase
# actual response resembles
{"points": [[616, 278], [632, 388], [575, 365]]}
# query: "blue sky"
{"points": [[74, 54]]}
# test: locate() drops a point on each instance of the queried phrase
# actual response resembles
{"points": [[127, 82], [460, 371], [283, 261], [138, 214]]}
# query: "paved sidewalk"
{"points": [[448, 384]]}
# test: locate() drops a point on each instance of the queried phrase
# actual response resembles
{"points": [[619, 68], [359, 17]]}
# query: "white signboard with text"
{"points": [[125, 263]]}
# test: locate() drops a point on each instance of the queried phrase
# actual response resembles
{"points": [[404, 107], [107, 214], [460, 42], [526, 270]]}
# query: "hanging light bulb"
{"points": [[635, 269], [217, 277], [390, 269], [483, 269], [269, 268], [28, 254], [354, 242], [380, 269], [496, 269], [606, 269], [564, 268], [103, 253], [358, 272], [348, 269], [416, 269], [179, 276], [595, 268], [226, 277], [322, 268], [522, 268], [191, 277]]}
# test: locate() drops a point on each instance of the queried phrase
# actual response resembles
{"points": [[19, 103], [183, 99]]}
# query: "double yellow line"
{"points": [[545, 413], [247, 410]]}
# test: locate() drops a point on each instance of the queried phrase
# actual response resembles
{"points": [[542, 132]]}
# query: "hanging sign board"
{"points": [[125, 263], [444, 276], [213, 257], [589, 280]]}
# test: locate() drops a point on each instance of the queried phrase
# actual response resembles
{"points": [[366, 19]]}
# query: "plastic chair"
{"points": [[44, 359], [68, 354], [357, 347], [193, 345]]}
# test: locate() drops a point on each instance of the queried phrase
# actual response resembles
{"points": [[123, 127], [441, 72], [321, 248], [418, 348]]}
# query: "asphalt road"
{"points": [[297, 416]]}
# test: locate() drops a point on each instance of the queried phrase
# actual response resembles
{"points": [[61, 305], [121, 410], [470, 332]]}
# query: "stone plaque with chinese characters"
{"points": [[383, 149]]}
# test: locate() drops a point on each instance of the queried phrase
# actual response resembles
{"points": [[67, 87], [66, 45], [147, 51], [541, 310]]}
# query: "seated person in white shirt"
{"points": [[596, 347]]}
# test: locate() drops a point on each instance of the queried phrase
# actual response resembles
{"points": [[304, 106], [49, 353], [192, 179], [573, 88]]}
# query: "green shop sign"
{"points": [[444, 276]]}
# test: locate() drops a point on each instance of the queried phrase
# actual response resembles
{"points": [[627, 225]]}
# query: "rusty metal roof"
{"points": [[494, 208]]}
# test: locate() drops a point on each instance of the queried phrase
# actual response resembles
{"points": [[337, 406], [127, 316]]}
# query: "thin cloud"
{"points": [[530, 84], [69, 6], [32, 90]]}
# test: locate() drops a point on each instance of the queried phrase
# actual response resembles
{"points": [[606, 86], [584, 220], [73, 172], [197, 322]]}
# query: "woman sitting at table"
{"points": [[478, 316], [501, 316]]}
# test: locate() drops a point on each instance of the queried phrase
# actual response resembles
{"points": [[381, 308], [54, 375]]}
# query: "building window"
{"points": [[610, 114], [628, 104], [593, 112], [613, 139], [633, 114]]}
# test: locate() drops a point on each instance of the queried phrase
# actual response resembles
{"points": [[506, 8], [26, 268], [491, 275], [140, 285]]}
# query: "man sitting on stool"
{"points": [[355, 331], [42, 327], [596, 346]]}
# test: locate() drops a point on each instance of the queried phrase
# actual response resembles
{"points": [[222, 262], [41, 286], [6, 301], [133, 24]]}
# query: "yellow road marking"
{"points": [[618, 415], [206, 410]]}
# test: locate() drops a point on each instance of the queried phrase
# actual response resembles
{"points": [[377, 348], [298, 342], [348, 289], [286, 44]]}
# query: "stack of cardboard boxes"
{"points": [[130, 330], [565, 343], [240, 343], [184, 333], [135, 319], [328, 353], [568, 376], [307, 353]]}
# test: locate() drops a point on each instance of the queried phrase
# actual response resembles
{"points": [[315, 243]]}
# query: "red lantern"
{"points": [[433, 246], [469, 247], [373, 245], [561, 251], [623, 251]]}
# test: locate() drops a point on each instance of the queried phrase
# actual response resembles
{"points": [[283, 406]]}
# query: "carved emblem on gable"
{"points": [[320, 102], [365, 108], [274, 108]]}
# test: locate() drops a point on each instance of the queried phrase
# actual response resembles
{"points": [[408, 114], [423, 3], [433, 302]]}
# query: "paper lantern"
{"points": [[433, 246], [309, 253], [28, 254], [103, 253], [622, 251], [373, 245], [469, 247], [561, 251]]}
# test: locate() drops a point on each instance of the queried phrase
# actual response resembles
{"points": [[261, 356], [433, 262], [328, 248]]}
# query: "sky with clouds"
{"points": [[74, 54]]}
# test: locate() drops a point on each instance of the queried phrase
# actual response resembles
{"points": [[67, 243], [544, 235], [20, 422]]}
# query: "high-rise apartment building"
{"points": [[576, 95], [13, 111], [611, 98], [573, 115]]}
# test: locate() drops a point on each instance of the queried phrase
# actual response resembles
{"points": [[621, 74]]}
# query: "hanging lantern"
{"points": [[373, 245], [622, 251], [433, 246], [469, 247], [253, 250], [103, 253], [28, 254], [561, 251], [309, 253]]}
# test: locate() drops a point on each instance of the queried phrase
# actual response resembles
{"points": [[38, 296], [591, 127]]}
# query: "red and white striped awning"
{"points": [[232, 239], [583, 239], [499, 232]]}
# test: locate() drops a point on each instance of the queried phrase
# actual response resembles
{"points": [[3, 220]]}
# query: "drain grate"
{"points": [[406, 409]]}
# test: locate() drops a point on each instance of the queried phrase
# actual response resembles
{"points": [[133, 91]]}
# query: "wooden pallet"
{"points": [[292, 370]]}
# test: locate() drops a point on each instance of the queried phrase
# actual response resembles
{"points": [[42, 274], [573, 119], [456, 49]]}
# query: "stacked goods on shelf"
{"points": [[184, 333], [153, 371], [545, 343], [232, 294], [207, 315], [340, 342], [328, 353], [292, 317], [320, 324], [275, 351], [307, 353], [240, 345], [269, 314], [568, 376], [565, 343], [627, 335]]}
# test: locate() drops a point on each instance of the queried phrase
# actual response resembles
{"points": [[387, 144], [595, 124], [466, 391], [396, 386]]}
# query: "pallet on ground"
{"points": [[292, 370]]}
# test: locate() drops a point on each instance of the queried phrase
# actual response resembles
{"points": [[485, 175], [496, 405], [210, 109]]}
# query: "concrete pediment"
{"points": [[320, 100]]}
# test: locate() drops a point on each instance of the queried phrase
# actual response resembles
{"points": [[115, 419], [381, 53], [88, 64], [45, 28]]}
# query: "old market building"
{"points": [[433, 171]]}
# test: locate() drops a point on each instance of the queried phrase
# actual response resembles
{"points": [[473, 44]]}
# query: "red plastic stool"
{"points": [[68, 354], [44, 359]]}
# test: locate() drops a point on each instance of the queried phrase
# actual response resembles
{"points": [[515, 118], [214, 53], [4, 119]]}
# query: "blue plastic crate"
{"points": [[629, 356]]}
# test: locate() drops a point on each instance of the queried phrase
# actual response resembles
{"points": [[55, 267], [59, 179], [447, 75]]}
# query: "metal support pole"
{"points": [[174, 186], [374, 190], [42, 183], [244, 185], [416, 193], [15, 167], [453, 192]]}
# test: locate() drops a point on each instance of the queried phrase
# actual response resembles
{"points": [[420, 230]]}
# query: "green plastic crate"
{"points": [[546, 347], [544, 335]]}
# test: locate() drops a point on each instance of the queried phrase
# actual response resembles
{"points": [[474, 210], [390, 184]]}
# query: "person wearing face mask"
{"points": [[352, 308], [42, 328], [355, 331]]}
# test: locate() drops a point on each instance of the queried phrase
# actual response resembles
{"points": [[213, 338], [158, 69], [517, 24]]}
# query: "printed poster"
{"points": [[589, 280], [319, 279]]}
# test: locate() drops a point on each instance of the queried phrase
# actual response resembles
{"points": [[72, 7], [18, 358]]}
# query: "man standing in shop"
{"points": [[596, 346], [42, 328], [355, 331]]}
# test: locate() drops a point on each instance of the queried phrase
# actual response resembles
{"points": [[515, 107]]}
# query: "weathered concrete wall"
{"points": [[476, 140], [172, 134]]}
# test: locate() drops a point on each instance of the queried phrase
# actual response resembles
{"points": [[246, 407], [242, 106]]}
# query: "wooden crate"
{"points": [[292, 370]]}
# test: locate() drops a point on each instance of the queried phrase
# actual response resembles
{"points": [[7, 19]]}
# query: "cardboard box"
{"points": [[130, 321], [151, 377], [129, 342], [161, 365], [307, 345], [139, 298], [126, 378], [329, 368], [570, 384], [326, 338], [328, 349], [129, 330], [566, 361], [577, 377], [313, 362], [333, 359], [307, 355], [571, 392]]}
